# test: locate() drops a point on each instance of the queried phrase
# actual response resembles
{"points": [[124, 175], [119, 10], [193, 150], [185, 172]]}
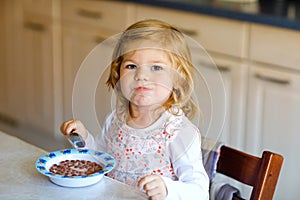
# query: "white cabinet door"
{"points": [[32, 77], [277, 46], [37, 80], [9, 76], [37, 75], [222, 99], [28, 71], [77, 44], [235, 77], [273, 122]]}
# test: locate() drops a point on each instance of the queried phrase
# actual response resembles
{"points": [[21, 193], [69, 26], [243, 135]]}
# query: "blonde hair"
{"points": [[166, 37]]}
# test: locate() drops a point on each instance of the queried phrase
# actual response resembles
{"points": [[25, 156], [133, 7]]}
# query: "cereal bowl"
{"points": [[52, 159]]}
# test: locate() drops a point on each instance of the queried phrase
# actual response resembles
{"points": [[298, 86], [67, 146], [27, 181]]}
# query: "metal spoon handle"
{"points": [[76, 140]]}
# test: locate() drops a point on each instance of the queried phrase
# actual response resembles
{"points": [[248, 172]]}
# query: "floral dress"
{"points": [[141, 152]]}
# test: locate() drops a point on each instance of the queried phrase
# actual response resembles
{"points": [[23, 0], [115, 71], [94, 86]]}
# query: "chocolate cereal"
{"points": [[75, 168]]}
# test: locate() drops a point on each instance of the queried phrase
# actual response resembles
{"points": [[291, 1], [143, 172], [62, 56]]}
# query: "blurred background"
{"points": [[254, 44]]}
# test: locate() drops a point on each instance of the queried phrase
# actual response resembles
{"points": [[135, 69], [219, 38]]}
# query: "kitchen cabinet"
{"points": [[85, 25], [32, 71], [77, 44], [223, 108], [8, 87], [274, 98], [235, 77], [215, 34], [38, 68], [273, 113], [276, 46], [37, 73]]}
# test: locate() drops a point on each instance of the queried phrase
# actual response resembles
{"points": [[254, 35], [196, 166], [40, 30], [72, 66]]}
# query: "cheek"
{"points": [[125, 79], [166, 82], [125, 87]]}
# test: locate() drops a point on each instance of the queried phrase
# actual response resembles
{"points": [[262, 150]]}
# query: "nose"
{"points": [[141, 74]]}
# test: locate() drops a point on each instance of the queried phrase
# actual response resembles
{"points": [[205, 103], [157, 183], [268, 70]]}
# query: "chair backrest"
{"points": [[260, 172]]}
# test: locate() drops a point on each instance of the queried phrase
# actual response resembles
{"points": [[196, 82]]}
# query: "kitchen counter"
{"points": [[280, 13]]}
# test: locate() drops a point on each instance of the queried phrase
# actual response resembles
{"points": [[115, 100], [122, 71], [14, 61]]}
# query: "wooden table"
{"points": [[20, 180]]}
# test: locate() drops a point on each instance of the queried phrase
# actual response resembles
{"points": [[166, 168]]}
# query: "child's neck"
{"points": [[143, 117]]}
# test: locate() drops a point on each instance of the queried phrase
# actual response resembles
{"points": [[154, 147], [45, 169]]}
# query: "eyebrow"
{"points": [[128, 60]]}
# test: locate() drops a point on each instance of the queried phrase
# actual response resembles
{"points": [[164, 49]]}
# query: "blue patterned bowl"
{"points": [[44, 163]]}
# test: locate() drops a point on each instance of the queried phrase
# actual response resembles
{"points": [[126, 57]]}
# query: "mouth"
{"points": [[142, 89]]}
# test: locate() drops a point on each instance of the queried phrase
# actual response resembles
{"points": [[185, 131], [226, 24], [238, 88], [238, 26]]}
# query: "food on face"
{"points": [[75, 168]]}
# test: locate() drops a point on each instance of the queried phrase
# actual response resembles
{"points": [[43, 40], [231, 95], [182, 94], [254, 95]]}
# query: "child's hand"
{"points": [[154, 186], [73, 126]]}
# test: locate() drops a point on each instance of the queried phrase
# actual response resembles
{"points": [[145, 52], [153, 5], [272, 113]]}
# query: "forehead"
{"points": [[148, 54], [152, 41]]}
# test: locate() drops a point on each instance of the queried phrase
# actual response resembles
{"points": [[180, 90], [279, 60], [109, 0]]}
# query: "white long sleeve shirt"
{"points": [[182, 143]]}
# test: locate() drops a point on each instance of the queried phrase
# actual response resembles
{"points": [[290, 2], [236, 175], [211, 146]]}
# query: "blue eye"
{"points": [[131, 66], [156, 68]]}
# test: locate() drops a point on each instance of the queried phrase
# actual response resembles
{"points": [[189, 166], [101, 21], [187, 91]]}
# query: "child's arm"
{"points": [[186, 156], [99, 142]]}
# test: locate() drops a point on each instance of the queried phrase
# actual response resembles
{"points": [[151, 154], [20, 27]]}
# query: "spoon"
{"points": [[76, 140]]}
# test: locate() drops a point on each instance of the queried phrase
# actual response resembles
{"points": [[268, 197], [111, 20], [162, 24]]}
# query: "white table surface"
{"points": [[19, 178]]}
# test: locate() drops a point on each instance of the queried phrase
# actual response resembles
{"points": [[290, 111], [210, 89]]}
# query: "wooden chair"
{"points": [[261, 173]]}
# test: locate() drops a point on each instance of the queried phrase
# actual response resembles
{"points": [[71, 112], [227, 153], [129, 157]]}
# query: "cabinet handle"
{"points": [[35, 26], [221, 68], [89, 14], [272, 79], [189, 32]]}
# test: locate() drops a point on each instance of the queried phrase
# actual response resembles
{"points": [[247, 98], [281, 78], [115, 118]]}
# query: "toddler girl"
{"points": [[156, 146]]}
